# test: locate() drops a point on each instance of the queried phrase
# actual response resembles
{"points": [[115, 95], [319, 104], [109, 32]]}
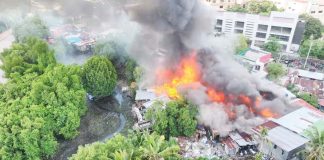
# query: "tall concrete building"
{"points": [[312, 7], [283, 26]]}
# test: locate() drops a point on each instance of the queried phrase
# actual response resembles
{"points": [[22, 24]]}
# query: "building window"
{"points": [[261, 35], [257, 67], [258, 43], [279, 37], [239, 24], [219, 22], [280, 30], [238, 31], [218, 29], [275, 146], [312, 12], [320, 11], [220, 6], [262, 27]]}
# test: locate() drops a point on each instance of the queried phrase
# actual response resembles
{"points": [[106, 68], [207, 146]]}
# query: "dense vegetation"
{"points": [[273, 46], [242, 44], [32, 56], [134, 146], [317, 50], [115, 51], [313, 27], [31, 26], [178, 118], [275, 70], [99, 76], [315, 148], [41, 102], [309, 98], [255, 7]]}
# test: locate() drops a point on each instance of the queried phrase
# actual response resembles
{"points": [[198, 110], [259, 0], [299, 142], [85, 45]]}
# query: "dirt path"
{"points": [[103, 120]]}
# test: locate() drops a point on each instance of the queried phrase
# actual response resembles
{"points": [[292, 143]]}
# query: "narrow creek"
{"points": [[104, 118]]}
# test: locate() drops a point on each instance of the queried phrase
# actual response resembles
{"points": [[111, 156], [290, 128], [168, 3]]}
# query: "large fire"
{"points": [[188, 73]]}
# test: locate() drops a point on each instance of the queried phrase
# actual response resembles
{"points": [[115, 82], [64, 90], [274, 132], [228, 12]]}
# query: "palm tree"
{"points": [[122, 155], [155, 147], [263, 135], [315, 148]]}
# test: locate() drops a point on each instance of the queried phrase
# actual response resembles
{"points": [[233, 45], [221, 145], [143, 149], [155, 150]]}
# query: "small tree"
{"points": [[261, 7], [237, 8], [313, 27], [177, 119], [99, 76], [317, 49], [273, 46], [292, 88], [275, 70], [242, 44], [315, 148], [309, 98], [31, 26]]}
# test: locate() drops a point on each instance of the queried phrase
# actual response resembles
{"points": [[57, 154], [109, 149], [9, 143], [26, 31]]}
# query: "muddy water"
{"points": [[103, 120]]}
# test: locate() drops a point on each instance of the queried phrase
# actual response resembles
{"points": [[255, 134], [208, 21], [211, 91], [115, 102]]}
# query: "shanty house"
{"points": [[286, 135]]}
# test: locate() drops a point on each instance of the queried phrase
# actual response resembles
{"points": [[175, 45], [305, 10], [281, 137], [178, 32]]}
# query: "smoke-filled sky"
{"points": [[166, 31]]}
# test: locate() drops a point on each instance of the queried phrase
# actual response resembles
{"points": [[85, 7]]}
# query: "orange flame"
{"points": [[267, 113], [188, 72]]}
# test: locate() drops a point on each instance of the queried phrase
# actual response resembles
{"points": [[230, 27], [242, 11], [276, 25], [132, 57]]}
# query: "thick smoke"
{"points": [[173, 28], [169, 29]]}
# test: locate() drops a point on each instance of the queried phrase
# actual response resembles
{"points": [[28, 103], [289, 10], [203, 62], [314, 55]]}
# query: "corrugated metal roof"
{"points": [[145, 95], [299, 120], [285, 139], [312, 75]]}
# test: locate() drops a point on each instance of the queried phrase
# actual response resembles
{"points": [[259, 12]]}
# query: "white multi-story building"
{"points": [[283, 26]]}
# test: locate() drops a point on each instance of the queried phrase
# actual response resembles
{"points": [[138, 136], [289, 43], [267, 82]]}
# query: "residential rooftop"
{"points": [[300, 120], [286, 139]]}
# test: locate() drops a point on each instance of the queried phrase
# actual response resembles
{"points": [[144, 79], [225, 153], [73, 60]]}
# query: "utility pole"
{"points": [[310, 48]]}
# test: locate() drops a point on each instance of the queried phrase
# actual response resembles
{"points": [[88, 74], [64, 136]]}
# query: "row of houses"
{"points": [[285, 138], [287, 135]]}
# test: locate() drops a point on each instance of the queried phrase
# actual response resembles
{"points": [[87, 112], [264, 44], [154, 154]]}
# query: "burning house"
{"points": [[144, 99]]}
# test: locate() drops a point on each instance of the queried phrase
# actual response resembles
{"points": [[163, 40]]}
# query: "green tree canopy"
{"points": [[292, 88], [255, 7], [315, 148], [237, 8], [34, 109], [31, 26], [134, 146], [33, 56], [115, 51], [242, 44], [273, 46], [316, 51], [313, 27], [177, 119], [275, 70], [99, 76], [38, 106], [309, 98]]}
